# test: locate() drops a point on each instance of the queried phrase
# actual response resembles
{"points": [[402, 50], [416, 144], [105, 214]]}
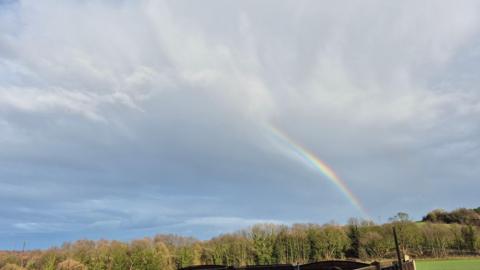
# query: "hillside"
{"points": [[458, 216]]}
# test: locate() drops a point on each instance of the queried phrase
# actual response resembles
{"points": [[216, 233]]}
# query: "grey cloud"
{"points": [[125, 118]]}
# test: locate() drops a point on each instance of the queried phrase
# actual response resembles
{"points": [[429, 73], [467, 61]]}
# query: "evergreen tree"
{"points": [[354, 236]]}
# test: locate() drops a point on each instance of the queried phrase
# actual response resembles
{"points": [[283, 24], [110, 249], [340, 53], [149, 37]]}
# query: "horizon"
{"points": [[391, 220], [124, 119]]}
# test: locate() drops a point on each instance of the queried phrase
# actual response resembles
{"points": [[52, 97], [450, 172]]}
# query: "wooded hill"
{"points": [[459, 216]]}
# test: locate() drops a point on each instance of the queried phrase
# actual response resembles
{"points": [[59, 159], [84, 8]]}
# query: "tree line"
{"points": [[460, 216], [259, 244]]}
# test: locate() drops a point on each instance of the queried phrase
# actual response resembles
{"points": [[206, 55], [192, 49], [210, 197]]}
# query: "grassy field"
{"points": [[454, 264]]}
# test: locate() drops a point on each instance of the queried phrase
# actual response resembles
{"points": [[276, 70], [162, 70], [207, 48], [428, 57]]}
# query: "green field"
{"points": [[460, 264]]}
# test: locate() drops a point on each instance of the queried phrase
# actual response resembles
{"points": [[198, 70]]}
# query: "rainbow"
{"points": [[310, 159]]}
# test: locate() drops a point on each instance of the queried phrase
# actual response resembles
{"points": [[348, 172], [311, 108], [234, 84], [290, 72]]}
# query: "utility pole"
{"points": [[23, 253], [399, 257]]}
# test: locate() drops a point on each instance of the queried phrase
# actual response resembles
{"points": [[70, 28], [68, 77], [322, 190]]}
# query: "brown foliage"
{"points": [[70, 264], [11, 266]]}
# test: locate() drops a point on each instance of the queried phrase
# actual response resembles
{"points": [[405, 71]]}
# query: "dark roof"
{"points": [[327, 265], [322, 265], [268, 267], [206, 267]]}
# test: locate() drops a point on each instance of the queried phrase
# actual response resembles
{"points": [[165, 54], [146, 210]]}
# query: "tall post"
{"points": [[397, 247], [23, 253]]}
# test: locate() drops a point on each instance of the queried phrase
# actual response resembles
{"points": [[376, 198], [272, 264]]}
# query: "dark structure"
{"points": [[322, 265], [268, 267], [207, 267], [328, 265]]}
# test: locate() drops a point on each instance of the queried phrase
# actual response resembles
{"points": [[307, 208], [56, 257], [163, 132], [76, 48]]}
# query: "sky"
{"points": [[124, 119]]}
